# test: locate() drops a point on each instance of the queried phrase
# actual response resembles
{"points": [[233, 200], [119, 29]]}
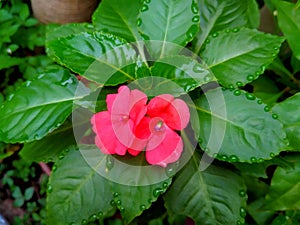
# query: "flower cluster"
{"points": [[131, 125]]}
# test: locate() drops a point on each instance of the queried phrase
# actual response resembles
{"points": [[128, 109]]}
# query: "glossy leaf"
{"points": [[289, 23], [179, 75], [50, 147], [208, 197], [38, 107], [216, 15], [118, 17], [288, 112], [234, 127], [284, 191], [239, 66], [76, 192], [167, 21], [101, 56], [134, 185]]}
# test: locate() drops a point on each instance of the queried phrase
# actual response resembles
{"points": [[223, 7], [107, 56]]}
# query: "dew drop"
{"points": [[242, 193], [67, 150], [231, 87], [257, 73], [259, 101], [54, 168], [250, 96], [170, 172], [239, 84], [243, 212], [100, 214], [119, 202], [216, 34], [274, 54], [93, 217], [207, 78], [227, 31], [116, 194], [235, 30], [157, 192], [144, 8], [207, 41], [61, 156], [238, 222], [147, 1], [266, 108], [196, 19], [260, 160], [84, 222], [224, 157], [139, 22], [275, 48], [233, 158], [41, 76], [10, 97], [250, 77], [109, 162], [275, 116], [142, 207], [192, 31], [49, 189], [237, 92], [194, 7], [112, 203], [253, 160], [272, 154], [150, 200], [165, 185], [36, 137], [122, 209]]}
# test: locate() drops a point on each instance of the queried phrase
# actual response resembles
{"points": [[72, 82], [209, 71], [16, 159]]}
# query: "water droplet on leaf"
{"points": [[243, 212], [239, 84], [275, 116], [100, 214], [267, 108], [109, 162], [119, 202], [242, 193], [235, 30], [165, 185], [250, 77], [237, 92], [253, 160], [116, 194], [250, 96], [112, 203], [216, 34], [54, 168], [196, 19], [61, 156], [139, 22], [233, 158], [49, 189], [122, 209], [207, 41], [272, 154], [142, 207], [194, 7], [93, 218], [84, 222], [157, 192], [259, 101], [144, 8], [192, 31]]}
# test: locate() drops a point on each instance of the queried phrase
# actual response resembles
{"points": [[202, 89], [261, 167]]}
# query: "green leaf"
{"points": [[208, 197], [288, 112], [167, 21], [7, 61], [216, 15], [38, 107], [179, 75], [50, 147], [289, 23], [284, 191], [134, 185], [76, 192], [28, 193], [96, 52], [118, 17], [235, 127], [55, 31], [239, 66]]}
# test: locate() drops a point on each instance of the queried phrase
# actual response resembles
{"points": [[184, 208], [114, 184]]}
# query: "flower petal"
{"points": [[168, 151], [105, 138], [174, 112]]}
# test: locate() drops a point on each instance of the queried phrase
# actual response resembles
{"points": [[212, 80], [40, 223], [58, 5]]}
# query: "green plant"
{"points": [[240, 159]]}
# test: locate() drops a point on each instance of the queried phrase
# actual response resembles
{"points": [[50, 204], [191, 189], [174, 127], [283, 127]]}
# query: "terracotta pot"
{"points": [[63, 11]]}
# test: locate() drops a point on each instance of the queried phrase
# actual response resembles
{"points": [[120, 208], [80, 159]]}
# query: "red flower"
{"points": [[114, 128], [130, 125], [165, 114]]}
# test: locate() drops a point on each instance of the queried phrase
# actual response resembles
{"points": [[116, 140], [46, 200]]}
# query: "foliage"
{"points": [[240, 162]]}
